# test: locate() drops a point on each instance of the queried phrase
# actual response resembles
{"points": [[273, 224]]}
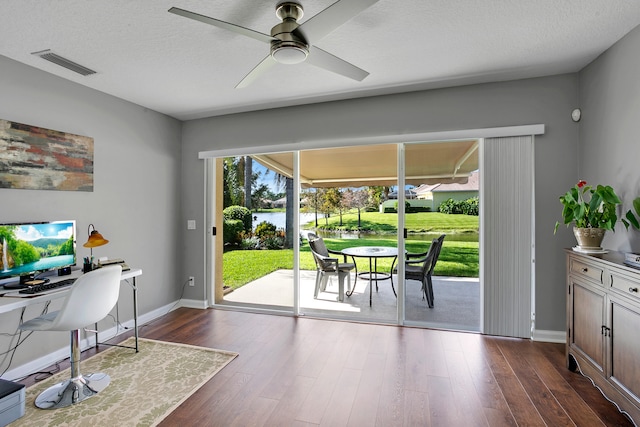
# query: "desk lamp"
{"points": [[95, 239]]}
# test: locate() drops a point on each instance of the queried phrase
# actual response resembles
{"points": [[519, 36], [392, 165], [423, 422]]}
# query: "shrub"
{"points": [[471, 206], [467, 207], [421, 209], [250, 242], [240, 213], [273, 242], [232, 231], [265, 229], [450, 206]]}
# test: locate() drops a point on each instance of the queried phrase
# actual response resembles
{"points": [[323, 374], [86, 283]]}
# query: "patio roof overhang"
{"points": [[356, 166]]}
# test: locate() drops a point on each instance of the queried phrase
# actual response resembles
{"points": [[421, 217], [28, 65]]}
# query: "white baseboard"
{"points": [[549, 336], [193, 303], [89, 341]]}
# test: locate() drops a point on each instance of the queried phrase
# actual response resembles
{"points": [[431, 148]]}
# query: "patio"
{"points": [[457, 300]]}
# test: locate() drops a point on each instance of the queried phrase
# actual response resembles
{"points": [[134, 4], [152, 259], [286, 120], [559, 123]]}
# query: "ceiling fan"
{"points": [[291, 42]]}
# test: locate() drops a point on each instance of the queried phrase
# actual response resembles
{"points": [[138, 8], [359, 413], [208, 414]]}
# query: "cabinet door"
{"points": [[587, 320], [624, 368]]}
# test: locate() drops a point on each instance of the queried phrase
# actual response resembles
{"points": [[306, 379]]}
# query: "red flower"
{"points": [[581, 183]]}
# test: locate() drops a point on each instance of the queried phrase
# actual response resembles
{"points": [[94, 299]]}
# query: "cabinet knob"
{"points": [[633, 289], [585, 269]]}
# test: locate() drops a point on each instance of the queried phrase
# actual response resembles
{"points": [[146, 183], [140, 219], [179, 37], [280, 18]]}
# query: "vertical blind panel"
{"points": [[507, 208]]}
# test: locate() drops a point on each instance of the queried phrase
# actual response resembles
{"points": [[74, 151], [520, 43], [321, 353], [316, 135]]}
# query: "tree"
{"points": [[356, 199], [239, 182], [377, 195], [286, 182], [248, 180], [289, 214], [232, 189], [258, 194], [313, 202], [333, 200]]}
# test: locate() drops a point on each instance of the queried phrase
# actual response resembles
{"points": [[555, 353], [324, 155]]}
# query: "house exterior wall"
{"points": [[439, 197]]}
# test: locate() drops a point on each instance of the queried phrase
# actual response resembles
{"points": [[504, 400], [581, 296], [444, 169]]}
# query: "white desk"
{"points": [[8, 303]]}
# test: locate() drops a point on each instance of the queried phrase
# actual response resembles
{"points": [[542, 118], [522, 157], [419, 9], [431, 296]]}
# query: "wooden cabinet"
{"points": [[603, 325]]}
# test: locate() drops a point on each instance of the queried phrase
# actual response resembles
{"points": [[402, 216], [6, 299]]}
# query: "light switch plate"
{"points": [[191, 224]]}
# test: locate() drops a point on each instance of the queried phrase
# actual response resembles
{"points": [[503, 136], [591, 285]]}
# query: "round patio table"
{"points": [[373, 253]]}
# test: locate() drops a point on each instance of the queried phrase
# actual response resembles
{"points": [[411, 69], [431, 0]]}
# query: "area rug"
{"points": [[145, 387]]}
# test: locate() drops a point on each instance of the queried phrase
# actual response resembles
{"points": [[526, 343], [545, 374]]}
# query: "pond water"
{"points": [[278, 219]]}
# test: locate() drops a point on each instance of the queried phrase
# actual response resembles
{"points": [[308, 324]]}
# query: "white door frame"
{"points": [[209, 262]]}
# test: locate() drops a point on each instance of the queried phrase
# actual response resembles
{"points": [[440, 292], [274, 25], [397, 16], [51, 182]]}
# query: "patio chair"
{"points": [[327, 267], [420, 267]]}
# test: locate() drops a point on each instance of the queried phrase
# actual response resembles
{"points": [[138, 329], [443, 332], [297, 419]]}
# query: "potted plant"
{"points": [[592, 210], [630, 218]]}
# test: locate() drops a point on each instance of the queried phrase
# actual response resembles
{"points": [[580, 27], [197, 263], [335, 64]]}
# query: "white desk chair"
{"points": [[89, 300]]}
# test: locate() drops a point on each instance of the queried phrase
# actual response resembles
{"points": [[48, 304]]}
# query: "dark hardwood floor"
{"points": [[307, 372]]}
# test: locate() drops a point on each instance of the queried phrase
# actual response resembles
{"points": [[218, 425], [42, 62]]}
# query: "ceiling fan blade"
{"points": [[222, 24], [331, 18], [322, 59], [257, 71]]}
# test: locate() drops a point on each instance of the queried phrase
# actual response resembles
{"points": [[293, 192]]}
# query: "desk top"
{"points": [[8, 304]]}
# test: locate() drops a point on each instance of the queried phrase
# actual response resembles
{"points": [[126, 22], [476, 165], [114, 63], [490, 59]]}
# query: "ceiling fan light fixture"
{"points": [[289, 52]]}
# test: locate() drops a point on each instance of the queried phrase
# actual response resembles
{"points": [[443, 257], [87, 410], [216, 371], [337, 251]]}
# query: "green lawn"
{"points": [[459, 259], [419, 222]]}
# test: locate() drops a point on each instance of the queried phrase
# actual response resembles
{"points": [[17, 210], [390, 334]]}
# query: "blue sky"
{"points": [[266, 178], [38, 231]]}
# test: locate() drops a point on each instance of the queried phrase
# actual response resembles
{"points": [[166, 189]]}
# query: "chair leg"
{"points": [[323, 282], [341, 286], [429, 291], [355, 279], [77, 388], [315, 294]]}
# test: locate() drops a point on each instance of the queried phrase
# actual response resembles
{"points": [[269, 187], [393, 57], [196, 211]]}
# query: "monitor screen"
{"points": [[28, 248]]}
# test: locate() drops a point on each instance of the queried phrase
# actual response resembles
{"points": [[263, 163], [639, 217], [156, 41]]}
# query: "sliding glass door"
{"points": [[350, 197], [342, 190], [258, 208], [441, 235]]}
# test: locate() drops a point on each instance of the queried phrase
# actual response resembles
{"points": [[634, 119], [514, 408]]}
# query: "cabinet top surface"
{"points": [[612, 258]]}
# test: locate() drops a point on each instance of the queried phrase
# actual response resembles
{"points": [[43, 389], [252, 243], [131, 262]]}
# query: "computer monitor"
{"points": [[27, 249]]}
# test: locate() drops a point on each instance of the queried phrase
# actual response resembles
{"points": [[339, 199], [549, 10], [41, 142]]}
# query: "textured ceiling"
{"points": [[187, 69]]}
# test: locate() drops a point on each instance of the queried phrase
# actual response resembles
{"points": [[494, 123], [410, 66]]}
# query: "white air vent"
{"points": [[63, 62]]}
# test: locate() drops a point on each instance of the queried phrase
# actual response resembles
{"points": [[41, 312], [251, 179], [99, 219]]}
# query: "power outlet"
{"points": [[191, 281]]}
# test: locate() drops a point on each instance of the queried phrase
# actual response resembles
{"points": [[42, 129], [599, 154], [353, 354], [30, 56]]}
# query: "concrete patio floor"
{"points": [[457, 300]]}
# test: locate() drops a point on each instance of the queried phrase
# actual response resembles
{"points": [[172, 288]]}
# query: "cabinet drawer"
{"points": [[625, 284], [586, 269]]}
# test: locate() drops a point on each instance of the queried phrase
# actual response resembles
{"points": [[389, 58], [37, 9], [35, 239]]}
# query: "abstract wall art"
{"points": [[41, 159]]}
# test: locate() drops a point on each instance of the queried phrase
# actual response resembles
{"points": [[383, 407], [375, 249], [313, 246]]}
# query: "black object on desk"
{"points": [[36, 289], [25, 284]]}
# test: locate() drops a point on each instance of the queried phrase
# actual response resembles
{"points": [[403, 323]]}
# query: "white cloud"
{"points": [[66, 233], [28, 233]]}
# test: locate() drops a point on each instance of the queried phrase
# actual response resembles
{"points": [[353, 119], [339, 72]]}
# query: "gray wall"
{"points": [[136, 197], [545, 100], [609, 151]]}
